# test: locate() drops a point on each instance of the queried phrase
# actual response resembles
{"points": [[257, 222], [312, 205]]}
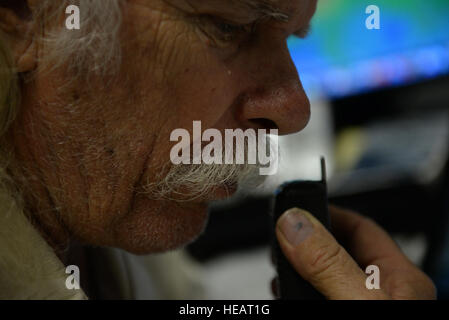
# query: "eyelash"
{"points": [[230, 31], [223, 32]]}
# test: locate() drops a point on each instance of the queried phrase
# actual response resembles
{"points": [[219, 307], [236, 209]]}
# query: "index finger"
{"points": [[367, 242]]}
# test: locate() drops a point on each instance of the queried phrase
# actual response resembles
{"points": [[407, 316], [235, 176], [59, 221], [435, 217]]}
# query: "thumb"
{"points": [[319, 259]]}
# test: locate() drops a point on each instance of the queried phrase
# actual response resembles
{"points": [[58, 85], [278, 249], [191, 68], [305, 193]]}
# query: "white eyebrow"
{"points": [[265, 8]]}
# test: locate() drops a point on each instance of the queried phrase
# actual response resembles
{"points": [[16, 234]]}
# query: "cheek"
{"points": [[204, 92], [191, 79], [203, 88]]}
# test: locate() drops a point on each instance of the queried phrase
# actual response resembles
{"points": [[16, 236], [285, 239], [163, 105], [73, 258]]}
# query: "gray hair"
{"points": [[93, 48]]}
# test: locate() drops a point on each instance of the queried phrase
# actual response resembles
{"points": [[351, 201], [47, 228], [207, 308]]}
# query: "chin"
{"points": [[160, 226]]}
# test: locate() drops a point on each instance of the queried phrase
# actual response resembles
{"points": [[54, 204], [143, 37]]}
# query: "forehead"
{"points": [[249, 8]]}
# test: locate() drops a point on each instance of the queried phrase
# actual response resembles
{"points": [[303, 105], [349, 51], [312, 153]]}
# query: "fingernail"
{"points": [[295, 226]]}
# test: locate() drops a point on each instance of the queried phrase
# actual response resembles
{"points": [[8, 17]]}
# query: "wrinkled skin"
{"points": [[88, 148]]}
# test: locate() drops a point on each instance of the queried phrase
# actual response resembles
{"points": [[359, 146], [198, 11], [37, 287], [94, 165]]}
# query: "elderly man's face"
{"points": [[97, 146]]}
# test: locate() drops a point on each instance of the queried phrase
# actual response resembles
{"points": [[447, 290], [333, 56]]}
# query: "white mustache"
{"points": [[188, 182]]}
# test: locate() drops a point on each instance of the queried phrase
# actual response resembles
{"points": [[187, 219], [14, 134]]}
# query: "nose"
{"points": [[277, 98]]}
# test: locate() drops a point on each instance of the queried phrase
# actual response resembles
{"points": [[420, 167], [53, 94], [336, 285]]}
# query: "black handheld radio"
{"points": [[312, 197]]}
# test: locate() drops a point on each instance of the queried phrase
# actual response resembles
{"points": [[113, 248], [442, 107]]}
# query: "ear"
{"points": [[17, 30]]}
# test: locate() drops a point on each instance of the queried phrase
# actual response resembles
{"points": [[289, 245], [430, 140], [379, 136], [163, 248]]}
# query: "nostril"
{"points": [[262, 123]]}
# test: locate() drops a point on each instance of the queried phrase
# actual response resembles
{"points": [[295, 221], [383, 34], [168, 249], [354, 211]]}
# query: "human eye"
{"points": [[225, 33]]}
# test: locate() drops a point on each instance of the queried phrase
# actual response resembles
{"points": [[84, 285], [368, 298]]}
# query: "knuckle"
{"points": [[428, 289], [367, 223], [325, 259], [416, 286]]}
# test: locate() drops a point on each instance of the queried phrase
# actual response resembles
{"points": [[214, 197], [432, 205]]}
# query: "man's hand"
{"points": [[321, 260]]}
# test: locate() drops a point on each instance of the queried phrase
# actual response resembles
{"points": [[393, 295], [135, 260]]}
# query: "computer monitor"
{"points": [[342, 57]]}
